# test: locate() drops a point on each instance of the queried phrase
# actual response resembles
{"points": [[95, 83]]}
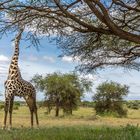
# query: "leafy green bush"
{"points": [[1, 106], [109, 98], [133, 104], [15, 107], [87, 104], [17, 103], [41, 104]]}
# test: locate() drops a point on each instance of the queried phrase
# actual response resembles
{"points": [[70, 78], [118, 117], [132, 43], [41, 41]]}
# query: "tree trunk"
{"points": [[71, 111], [57, 107], [57, 111]]}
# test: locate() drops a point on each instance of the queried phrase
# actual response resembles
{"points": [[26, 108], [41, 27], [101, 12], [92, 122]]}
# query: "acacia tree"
{"points": [[62, 90], [99, 32], [109, 98]]}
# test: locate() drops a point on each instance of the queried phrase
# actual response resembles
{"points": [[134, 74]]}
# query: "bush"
{"points": [[87, 104], [15, 107], [109, 98], [17, 103], [1, 106], [133, 104], [40, 104]]}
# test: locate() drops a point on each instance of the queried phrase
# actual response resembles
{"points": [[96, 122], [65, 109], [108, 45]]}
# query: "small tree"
{"points": [[62, 90], [109, 98]]}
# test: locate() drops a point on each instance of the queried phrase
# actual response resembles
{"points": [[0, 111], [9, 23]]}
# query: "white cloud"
{"points": [[67, 58], [3, 65], [90, 77], [50, 59], [70, 59], [2, 69], [39, 59], [3, 58], [33, 58]]}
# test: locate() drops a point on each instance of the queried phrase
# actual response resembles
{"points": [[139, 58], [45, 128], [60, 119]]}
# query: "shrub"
{"points": [[87, 104], [15, 107], [109, 98], [133, 104], [17, 103], [1, 106]]}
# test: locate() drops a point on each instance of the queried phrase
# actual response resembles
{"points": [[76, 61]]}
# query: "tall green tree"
{"points": [[62, 90], [109, 98]]}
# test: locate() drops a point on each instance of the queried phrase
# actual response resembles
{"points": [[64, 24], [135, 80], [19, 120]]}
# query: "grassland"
{"points": [[72, 133], [82, 125], [82, 116]]}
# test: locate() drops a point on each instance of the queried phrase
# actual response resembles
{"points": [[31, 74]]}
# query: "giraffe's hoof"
{"points": [[31, 127], [37, 127], [9, 128], [22, 126], [4, 127]]}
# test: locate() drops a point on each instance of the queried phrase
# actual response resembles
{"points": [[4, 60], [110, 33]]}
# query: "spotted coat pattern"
{"points": [[15, 85]]}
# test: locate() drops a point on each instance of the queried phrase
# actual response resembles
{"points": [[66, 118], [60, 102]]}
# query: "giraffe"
{"points": [[15, 85]]}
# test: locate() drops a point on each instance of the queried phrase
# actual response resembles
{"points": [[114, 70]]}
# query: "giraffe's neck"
{"points": [[14, 72]]}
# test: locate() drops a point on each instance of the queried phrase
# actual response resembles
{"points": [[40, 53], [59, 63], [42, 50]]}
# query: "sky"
{"points": [[46, 60]]}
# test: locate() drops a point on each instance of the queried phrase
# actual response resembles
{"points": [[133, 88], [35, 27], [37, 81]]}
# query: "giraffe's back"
{"points": [[25, 88], [20, 88]]}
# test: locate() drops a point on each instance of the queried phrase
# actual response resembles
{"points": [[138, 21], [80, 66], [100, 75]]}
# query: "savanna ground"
{"points": [[82, 125]]}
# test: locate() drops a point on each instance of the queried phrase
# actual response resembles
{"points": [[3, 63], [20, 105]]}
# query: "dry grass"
{"points": [[82, 125], [83, 116]]}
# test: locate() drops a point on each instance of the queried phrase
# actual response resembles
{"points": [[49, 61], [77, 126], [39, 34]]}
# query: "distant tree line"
{"points": [[87, 104], [135, 104], [64, 91]]}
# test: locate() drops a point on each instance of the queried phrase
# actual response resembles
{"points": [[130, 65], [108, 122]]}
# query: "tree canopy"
{"points": [[62, 90], [109, 98], [99, 32]]}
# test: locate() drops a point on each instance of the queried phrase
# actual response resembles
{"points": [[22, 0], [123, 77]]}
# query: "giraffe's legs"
{"points": [[33, 109], [36, 115], [32, 117], [29, 102], [6, 108], [11, 110]]}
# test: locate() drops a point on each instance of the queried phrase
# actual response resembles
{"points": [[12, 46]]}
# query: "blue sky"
{"points": [[46, 60]]}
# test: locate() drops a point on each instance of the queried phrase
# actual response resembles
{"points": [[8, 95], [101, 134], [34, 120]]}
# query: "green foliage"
{"points": [[62, 90], [40, 104], [15, 107], [1, 106], [87, 104], [73, 133], [133, 104], [109, 98], [131, 129], [17, 103]]}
